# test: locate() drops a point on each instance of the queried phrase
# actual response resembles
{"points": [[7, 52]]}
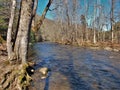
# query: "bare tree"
{"points": [[40, 21], [19, 50], [112, 20], [21, 45], [94, 29], [10, 26]]}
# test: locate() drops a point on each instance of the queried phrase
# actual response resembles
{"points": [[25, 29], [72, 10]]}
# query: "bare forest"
{"points": [[84, 23]]}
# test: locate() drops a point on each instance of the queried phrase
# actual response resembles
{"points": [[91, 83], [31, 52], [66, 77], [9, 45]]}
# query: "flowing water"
{"points": [[75, 68]]}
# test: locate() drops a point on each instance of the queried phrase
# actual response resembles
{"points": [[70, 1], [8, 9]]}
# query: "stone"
{"points": [[44, 71]]}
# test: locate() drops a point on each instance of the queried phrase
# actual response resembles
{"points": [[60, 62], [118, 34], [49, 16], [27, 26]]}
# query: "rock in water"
{"points": [[44, 71]]}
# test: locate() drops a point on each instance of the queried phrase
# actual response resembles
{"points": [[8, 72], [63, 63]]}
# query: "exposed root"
{"points": [[16, 78], [24, 78]]}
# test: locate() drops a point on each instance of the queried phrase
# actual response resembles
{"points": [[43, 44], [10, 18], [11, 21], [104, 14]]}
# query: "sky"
{"points": [[51, 15], [41, 5]]}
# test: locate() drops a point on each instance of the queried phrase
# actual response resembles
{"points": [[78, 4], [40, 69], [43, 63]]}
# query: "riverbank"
{"points": [[99, 45], [13, 76]]}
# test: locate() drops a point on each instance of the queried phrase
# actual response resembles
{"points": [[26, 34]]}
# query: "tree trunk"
{"points": [[94, 30], [39, 23], [112, 20], [34, 12], [17, 27], [21, 45], [18, 77], [9, 33]]}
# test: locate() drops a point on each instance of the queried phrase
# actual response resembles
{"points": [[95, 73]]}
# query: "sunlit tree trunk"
{"points": [[94, 36], [34, 12], [86, 16], [94, 30], [112, 20], [17, 27], [9, 33], [21, 45]]}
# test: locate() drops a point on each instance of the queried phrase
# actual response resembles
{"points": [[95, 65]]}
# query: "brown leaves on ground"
{"points": [[3, 50], [1, 40], [3, 46]]}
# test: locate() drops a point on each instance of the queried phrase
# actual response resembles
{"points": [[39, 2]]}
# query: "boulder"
{"points": [[44, 72]]}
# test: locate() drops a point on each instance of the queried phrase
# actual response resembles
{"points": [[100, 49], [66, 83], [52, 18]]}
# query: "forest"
{"points": [[37, 37], [84, 23]]}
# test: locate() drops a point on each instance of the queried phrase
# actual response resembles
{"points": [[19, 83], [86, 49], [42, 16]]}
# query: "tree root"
{"points": [[16, 78], [24, 78]]}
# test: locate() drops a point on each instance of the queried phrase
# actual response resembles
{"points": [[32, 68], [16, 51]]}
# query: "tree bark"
{"points": [[34, 12], [9, 33], [21, 45], [112, 20], [18, 22], [94, 30]]}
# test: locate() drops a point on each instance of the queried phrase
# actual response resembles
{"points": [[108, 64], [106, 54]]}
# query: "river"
{"points": [[75, 68]]}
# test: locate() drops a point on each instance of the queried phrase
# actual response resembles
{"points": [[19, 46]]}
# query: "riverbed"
{"points": [[75, 68]]}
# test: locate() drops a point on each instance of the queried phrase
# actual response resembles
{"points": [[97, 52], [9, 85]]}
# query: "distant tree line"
{"points": [[85, 21]]}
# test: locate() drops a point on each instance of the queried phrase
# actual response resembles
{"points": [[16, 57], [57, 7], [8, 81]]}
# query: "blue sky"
{"points": [[51, 15], [42, 4]]}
